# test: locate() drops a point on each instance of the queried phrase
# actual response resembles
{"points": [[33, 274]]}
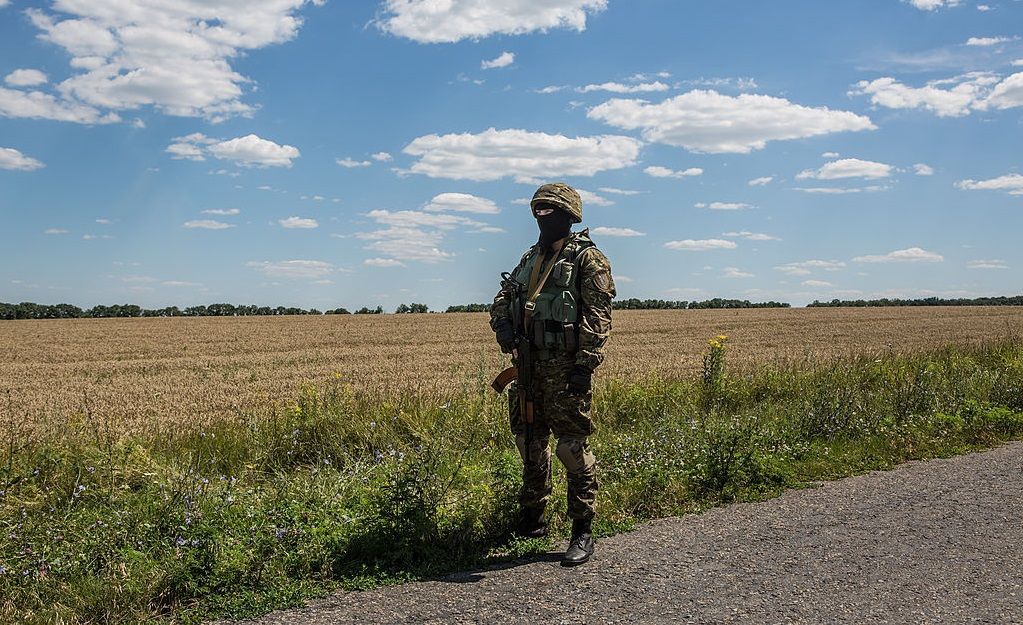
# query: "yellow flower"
{"points": [[722, 338]]}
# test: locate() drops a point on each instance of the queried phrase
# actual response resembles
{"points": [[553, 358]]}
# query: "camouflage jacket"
{"points": [[596, 289]]}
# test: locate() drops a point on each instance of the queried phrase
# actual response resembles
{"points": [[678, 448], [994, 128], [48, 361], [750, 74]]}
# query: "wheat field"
{"points": [[138, 375]]}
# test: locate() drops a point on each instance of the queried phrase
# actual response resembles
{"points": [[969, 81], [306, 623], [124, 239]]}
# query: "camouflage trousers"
{"points": [[567, 415]]}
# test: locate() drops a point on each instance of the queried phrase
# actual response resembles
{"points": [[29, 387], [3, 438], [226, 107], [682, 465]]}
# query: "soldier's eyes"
{"points": [[543, 212]]}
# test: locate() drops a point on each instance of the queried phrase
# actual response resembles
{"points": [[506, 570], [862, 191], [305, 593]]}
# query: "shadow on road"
{"points": [[478, 575]]}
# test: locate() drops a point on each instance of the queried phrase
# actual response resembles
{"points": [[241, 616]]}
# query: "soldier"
{"points": [[562, 305]]}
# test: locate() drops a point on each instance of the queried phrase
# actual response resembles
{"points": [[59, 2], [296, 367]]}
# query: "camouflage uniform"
{"points": [[586, 327]]}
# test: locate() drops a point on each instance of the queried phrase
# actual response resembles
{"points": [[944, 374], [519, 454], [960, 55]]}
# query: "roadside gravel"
{"points": [[939, 541]]}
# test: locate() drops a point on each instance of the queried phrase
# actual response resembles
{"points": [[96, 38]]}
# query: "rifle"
{"points": [[523, 360]]}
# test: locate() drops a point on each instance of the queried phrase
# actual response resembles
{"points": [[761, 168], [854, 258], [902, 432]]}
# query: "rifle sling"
{"points": [[537, 282]]}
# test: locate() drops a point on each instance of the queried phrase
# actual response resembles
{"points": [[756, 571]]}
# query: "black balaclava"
{"points": [[553, 227]]}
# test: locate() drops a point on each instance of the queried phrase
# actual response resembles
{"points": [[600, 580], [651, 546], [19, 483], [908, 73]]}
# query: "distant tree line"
{"points": [[717, 302], [468, 308], [1016, 300]]}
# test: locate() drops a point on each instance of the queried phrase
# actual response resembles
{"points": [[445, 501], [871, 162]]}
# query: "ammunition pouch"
{"points": [[550, 334]]}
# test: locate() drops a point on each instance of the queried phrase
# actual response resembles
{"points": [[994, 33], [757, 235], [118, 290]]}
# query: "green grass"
{"points": [[351, 490]]}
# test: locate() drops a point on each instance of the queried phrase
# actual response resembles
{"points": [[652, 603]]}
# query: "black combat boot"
{"points": [[580, 548], [531, 524]]}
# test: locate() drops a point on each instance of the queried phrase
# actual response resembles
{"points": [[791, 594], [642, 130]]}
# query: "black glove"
{"points": [[505, 335], [580, 379]]}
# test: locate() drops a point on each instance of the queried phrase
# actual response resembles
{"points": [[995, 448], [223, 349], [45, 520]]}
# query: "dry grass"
{"points": [[141, 374]]}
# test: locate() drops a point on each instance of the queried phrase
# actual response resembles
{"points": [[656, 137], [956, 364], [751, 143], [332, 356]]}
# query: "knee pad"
{"points": [[537, 450], [575, 454]]}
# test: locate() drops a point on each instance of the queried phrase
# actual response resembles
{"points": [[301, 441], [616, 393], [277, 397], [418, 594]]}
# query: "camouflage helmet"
{"points": [[561, 196]]}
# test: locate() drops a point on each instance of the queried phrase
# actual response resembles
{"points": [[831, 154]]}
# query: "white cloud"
{"points": [[429, 21], [523, 155], [248, 151], [462, 203], [723, 206], [298, 222], [817, 283], [222, 211], [909, 255], [922, 169], [930, 5], [1006, 94], [55, 231], [39, 105], [830, 155], [706, 121], [740, 83], [806, 267], [619, 191], [593, 199], [987, 264], [759, 182], [951, 97], [13, 159], [1017, 63], [414, 219], [551, 89], [616, 232], [179, 283], [657, 171], [839, 190], [383, 262], [416, 235], [751, 236], [94, 237], [617, 87], [735, 272], [989, 41], [26, 78], [350, 163], [300, 269], [383, 157], [174, 55], [105, 222], [983, 7], [701, 245], [503, 60], [206, 224], [848, 168], [1013, 183]]}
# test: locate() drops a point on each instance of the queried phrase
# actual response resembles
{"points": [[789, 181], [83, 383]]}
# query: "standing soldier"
{"points": [[556, 307]]}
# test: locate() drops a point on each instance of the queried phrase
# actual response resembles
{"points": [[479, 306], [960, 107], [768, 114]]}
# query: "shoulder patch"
{"points": [[602, 281]]}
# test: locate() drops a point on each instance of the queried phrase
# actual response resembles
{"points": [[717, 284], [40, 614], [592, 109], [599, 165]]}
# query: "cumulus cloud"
{"points": [[174, 55], [616, 232], [503, 60], [817, 284], [751, 236], [222, 211], [1012, 183], [806, 267], [839, 190], [382, 157], [590, 198], [416, 236], [723, 206], [248, 151], [987, 264], [526, 156], [707, 121], [735, 272], [383, 262], [950, 97], [207, 224], [617, 87], [39, 105], [922, 169], [759, 182], [461, 203], [13, 159], [617, 191], [701, 245], [989, 41], [909, 255], [350, 163], [656, 171], [25, 78], [298, 222], [428, 21], [848, 168], [298, 269], [55, 231], [930, 5]]}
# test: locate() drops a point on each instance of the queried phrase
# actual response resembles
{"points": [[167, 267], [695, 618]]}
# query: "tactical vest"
{"points": [[555, 318]]}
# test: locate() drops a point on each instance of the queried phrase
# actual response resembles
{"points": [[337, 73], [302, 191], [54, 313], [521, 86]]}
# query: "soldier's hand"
{"points": [[505, 336], [580, 379]]}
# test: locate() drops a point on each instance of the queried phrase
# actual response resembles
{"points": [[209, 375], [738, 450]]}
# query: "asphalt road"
{"points": [[928, 542]]}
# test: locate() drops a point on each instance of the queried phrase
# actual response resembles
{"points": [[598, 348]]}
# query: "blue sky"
{"points": [[322, 154]]}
